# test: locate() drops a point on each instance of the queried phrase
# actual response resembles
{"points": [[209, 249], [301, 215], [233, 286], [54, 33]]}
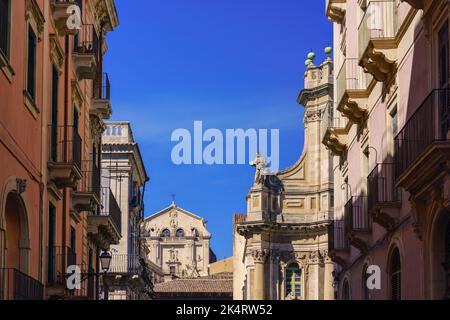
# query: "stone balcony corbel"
{"points": [[335, 139], [84, 201], [335, 10], [61, 12], [378, 37], [353, 108], [379, 61]]}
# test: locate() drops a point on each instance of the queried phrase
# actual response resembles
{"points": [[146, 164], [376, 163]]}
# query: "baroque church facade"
{"points": [[281, 243], [177, 240]]}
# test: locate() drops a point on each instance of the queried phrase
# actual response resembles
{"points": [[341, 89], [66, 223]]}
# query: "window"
{"points": [[293, 281], [165, 233], [444, 56], [180, 233], [346, 290], [393, 121], [119, 131], [172, 270], [4, 27], [73, 242], [31, 58], [108, 130], [54, 115], [395, 275], [194, 232]]}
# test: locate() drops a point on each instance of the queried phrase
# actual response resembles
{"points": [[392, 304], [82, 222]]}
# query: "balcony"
{"points": [[422, 148], [384, 197], [59, 258], [352, 91], [101, 100], [377, 39], [334, 132], [64, 165], [358, 224], [86, 52], [61, 14], [126, 271], [104, 225], [86, 197], [16, 285], [335, 10], [338, 246]]}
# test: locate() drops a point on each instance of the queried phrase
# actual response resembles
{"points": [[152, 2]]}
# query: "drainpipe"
{"points": [[66, 123], [44, 146]]}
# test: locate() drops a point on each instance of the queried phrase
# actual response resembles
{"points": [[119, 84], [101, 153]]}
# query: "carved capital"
{"points": [[260, 256]]}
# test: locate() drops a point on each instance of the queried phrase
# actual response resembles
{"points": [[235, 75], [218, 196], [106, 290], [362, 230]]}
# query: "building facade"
{"points": [[123, 171], [178, 242], [281, 244], [390, 145], [54, 97]]}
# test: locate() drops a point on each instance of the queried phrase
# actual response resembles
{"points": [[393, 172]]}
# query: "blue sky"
{"points": [[229, 63]]}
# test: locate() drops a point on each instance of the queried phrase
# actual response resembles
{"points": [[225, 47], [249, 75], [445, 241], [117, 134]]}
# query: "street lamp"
{"points": [[105, 261]]}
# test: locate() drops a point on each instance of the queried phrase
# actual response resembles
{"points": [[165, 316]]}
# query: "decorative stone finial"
{"points": [[328, 51], [308, 62], [311, 56]]}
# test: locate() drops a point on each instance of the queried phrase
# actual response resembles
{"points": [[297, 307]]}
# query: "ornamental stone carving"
{"points": [[260, 256], [312, 116]]}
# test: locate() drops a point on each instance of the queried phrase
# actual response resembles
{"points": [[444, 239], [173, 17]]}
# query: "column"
{"points": [[328, 279], [259, 258]]}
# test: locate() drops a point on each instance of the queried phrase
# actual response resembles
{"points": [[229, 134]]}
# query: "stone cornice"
{"points": [[313, 93]]}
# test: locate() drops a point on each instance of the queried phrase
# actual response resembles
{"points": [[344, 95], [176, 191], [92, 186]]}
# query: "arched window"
{"points": [[165, 233], [395, 274], [365, 288], [108, 130], [293, 284], [194, 232], [180, 233], [346, 290]]}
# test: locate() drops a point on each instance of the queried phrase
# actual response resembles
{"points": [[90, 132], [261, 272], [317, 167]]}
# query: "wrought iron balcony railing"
{"points": [[124, 263], [429, 124], [102, 87], [351, 78], [110, 207], [90, 182], [356, 215], [86, 42], [65, 145], [381, 186], [337, 240], [16, 285], [59, 259], [378, 23]]}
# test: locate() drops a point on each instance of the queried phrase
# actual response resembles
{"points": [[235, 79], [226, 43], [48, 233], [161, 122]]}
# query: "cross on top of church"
{"points": [[173, 198]]}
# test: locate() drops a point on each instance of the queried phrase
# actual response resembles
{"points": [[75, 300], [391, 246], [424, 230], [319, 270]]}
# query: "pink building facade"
{"points": [[53, 99], [390, 141]]}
